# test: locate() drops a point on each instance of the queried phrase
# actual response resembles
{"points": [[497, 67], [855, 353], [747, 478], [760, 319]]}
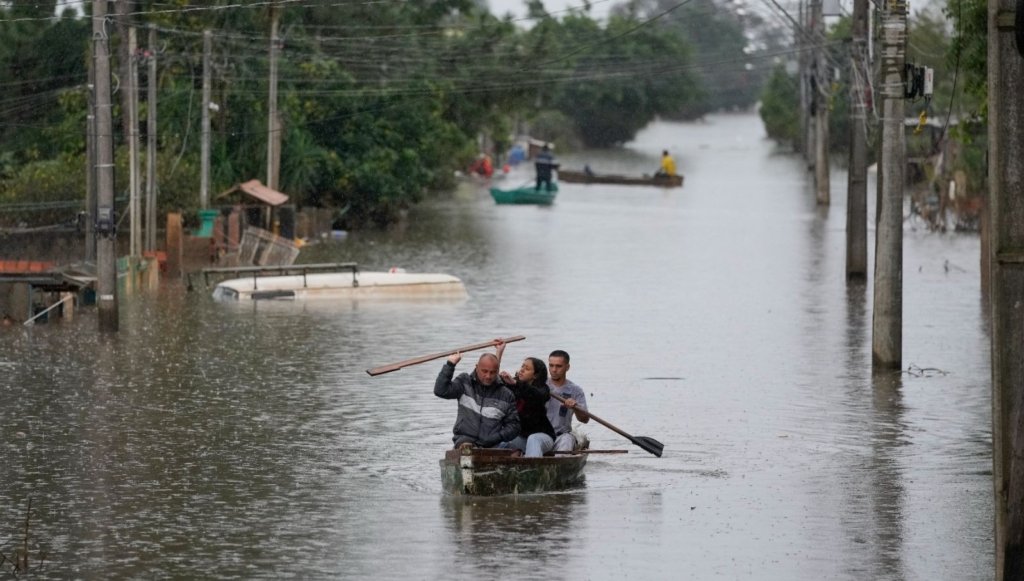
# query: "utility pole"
{"points": [[1006, 288], [90, 173], [204, 171], [810, 84], [273, 122], [131, 86], [151, 143], [106, 222], [857, 182], [887, 321], [820, 87], [805, 104]]}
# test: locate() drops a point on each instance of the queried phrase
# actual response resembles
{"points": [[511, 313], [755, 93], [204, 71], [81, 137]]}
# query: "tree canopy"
{"points": [[379, 102]]}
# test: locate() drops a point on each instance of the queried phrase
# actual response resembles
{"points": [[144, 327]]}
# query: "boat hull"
{"points": [[492, 472], [578, 177], [361, 285], [525, 195]]}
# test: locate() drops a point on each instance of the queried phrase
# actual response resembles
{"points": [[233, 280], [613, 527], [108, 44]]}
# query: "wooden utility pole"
{"points": [[887, 321], [1006, 195], [273, 120], [204, 160], [822, 81], [857, 179], [131, 86], [151, 143], [106, 221]]}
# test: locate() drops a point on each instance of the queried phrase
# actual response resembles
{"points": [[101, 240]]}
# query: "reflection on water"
{"points": [[887, 435], [486, 532], [212, 440]]}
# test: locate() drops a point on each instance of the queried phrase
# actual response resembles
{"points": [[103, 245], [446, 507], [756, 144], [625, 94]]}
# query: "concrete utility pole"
{"points": [[887, 323], [204, 160], [273, 122], [151, 144], [106, 221], [131, 86], [857, 180], [1006, 194], [90, 173], [802, 75], [822, 81]]}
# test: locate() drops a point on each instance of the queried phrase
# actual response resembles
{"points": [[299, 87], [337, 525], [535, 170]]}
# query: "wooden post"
{"points": [[273, 122], [67, 307], [822, 82], [175, 243], [857, 186], [887, 315], [204, 159], [132, 120], [151, 144], [1006, 195]]}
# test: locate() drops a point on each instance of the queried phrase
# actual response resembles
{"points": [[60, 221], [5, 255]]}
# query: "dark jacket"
{"points": [[531, 403], [544, 163], [487, 414]]}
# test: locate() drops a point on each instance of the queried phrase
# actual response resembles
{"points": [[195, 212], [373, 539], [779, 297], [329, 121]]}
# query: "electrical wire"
{"points": [[956, 68]]}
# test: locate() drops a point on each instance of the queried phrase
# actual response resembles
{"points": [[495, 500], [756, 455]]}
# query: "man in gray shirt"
{"points": [[575, 400]]}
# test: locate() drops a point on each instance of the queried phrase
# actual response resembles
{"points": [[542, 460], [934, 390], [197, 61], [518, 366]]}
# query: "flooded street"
{"points": [[214, 440]]}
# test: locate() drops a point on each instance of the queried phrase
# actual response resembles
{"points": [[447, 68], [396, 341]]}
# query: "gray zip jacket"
{"points": [[487, 414]]}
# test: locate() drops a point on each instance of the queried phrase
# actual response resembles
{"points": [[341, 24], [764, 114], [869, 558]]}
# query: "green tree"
{"points": [[780, 107], [620, 78]]}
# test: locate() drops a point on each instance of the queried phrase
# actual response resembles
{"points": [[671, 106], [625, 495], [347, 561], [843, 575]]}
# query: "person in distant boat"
{"points": [[587, 171], [575, 400], [483, 166], [530, 386], [544, 163], [668, 165], [487, 409]]}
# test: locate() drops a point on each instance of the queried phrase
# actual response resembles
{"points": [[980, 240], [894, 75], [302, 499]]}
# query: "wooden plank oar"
{"points": [[417, 360], [649, 444]]}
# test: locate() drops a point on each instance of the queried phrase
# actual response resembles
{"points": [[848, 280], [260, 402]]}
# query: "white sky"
{"points": [[598, 8]]}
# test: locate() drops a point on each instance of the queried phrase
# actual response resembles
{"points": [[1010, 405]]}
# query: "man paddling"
{"points": [[544, 164], [487, 409], [575, 400]]}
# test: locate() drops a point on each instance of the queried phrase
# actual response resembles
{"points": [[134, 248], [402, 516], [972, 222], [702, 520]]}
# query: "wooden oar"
{"points": [[417, 360], [649, 444]]}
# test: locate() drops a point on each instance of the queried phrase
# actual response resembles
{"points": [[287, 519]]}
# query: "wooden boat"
{"points": [[307, 282], [579, 177], [491, 471], [527, 194]]}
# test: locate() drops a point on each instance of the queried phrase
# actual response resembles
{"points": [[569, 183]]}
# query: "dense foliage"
{"points": [[379, 103], [609, 98], [929, 45], [731, 49], [780, 107]]}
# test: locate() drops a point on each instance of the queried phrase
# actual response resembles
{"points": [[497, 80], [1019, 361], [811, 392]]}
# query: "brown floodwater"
{"points": [[212, 440]]}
